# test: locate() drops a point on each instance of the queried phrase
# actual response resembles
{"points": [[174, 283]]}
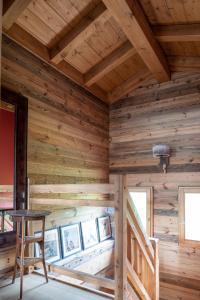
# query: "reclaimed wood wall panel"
{"points": [[167, 113], [67, 132]]}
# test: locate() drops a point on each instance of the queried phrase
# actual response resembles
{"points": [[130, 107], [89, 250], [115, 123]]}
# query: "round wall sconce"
{"points": [[162, 151]]}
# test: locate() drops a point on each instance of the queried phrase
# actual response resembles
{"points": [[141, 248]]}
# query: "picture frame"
{"points": [[70, 239], [51, 245], [104, 227], [89, 233]]}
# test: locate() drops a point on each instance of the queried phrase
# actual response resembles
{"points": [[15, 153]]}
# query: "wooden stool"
{"points": [[21, 217]]}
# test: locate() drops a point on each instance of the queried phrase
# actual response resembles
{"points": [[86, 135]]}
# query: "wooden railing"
{"points": [[142, 257], [136, 255]]}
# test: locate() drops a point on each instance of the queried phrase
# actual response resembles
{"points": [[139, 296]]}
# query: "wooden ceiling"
{"points": [[110, 47]]}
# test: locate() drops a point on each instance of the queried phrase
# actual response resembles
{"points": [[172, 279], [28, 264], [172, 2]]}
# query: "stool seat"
{"points": [[23, 240], [31, 239], [29, 261]]}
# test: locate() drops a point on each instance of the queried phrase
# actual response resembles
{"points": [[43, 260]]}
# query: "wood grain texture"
{"points": [[13, 12], [132, 20], [167, 113], [67, 133]]}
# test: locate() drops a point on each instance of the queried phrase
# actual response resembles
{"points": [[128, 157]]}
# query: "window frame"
{"points": [[150, 205], [7, 239], [181, 200]]}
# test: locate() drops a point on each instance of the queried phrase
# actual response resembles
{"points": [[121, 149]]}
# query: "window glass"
{"points": [[140, 202], [192, 218]]}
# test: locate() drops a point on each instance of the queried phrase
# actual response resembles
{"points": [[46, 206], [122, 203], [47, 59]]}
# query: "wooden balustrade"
{"points": [[142, 257], [136, 255]]}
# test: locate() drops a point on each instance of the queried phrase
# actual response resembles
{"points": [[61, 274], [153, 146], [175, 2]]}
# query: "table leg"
{"points": [[16, 253], [42, 248]]}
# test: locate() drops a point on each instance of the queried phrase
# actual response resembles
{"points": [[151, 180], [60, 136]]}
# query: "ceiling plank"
{"points": [[109, 63], [133, 22], [184, 63], [136, 80], [30, 43], [79, 33], [177, 33], [13, 11]]}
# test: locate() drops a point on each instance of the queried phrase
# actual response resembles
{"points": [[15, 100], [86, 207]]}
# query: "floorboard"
{"points": [[36, 288]]}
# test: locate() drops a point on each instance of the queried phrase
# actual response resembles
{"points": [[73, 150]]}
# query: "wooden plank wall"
{"points": [[67, 134], [168, 113]]}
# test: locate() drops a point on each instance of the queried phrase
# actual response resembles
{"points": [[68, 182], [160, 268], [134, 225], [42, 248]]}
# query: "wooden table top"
{"points": [[29, 213]]}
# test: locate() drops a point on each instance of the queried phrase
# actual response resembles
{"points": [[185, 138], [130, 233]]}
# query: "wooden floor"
{"points": [[35, 288]]}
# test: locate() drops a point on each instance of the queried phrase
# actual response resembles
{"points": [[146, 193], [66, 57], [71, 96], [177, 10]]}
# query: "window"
{"points": [[189, 208], [143, 201]]}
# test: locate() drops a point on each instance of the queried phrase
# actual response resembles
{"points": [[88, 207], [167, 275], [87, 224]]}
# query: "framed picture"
{"points": [[104, 228], [51, 245], [70, 239], [89, 233]]}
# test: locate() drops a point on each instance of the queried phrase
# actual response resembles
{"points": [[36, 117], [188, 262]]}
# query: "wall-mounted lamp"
{"points": [[162, 151]]}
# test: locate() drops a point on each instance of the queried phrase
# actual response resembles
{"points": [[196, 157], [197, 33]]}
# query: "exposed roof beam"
{"points": [[79, 33], [133, 22], [127, 86], [110, 62], [30, 43], [26, 40], [177, 33], [13, 11], [184, 63]]}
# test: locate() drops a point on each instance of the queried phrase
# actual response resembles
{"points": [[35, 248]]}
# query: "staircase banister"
{"points": [[136, 220], [140, 242]]}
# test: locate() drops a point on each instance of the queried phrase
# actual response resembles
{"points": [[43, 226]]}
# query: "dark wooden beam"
{"points": [[155, 169], [132, 20]]}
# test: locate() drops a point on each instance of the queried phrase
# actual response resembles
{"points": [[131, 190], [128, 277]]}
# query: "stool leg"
{"points": [[43, 261], [22, 260], [15, 266]]}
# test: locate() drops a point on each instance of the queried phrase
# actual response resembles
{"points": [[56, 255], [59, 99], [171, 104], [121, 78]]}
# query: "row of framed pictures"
{"points": [[66, 240]]}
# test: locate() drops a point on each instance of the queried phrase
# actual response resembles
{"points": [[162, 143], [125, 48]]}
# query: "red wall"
{"points": [[7, 125]]}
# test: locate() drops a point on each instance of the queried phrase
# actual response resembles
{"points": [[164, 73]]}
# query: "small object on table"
{"points": [[21, 217]]}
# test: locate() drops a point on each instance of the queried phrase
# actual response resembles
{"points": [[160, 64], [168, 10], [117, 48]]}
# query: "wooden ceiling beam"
{"points": [[127, 86], [79, 33], [133, 22], [12, 11], [30, 43], [109, 63], [184, 63], [177, 33]]}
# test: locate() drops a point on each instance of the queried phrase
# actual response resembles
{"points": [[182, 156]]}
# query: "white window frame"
{"points": [[150, 219], [181, 198]]}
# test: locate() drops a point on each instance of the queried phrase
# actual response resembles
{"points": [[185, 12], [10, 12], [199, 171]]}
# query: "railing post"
{"points": [[120, 199], [155, 244]]}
